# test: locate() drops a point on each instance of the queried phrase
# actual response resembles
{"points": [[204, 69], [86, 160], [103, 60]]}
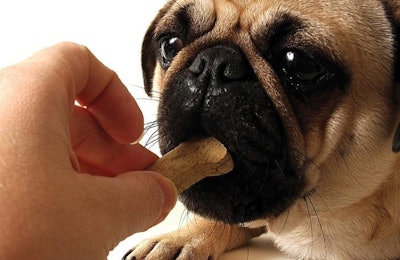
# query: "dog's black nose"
{"points": [[221, 63]]}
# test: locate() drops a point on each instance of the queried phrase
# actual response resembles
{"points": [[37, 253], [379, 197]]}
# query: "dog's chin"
{"points": [[251, 191]]}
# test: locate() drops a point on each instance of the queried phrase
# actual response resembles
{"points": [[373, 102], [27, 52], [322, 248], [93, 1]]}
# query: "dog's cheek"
{"points": [[313, 114]]}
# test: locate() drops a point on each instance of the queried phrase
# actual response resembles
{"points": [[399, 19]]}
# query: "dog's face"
{"points": [[302, 94]]}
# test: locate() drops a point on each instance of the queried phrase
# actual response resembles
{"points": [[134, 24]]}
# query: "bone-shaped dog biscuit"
{"points": [[192, 161]]}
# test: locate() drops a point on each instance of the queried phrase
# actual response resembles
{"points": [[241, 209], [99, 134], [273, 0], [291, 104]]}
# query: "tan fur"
{"points": [[200, 239], [354, 209]]}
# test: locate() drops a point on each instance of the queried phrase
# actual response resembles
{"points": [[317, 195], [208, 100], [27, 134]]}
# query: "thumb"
{"points": [[128, 203], [149, 197]]}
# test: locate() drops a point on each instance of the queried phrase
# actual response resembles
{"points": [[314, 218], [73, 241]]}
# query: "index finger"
{"points": [[97, 88]]}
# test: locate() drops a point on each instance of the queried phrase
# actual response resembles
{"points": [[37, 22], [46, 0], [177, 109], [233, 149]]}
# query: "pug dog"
{"points": [[305, 96]]}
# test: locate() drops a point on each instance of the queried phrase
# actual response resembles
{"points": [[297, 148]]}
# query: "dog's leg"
{"points": [[201, 239]]}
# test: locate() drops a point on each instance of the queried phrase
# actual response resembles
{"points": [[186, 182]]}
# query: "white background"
{"points": [[113, 30]]}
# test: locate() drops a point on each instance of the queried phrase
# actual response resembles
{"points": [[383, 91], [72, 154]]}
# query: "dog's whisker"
{"points": [[149, 128], [150, 125], [279, 167], [193, 225], [311, 225], [151, 142], [322, 199], [131, 85], [184, 218], [150, 145], [319, 223], [157, 93], [284, 223], [153, 135], [153, 98], [146, 99]]}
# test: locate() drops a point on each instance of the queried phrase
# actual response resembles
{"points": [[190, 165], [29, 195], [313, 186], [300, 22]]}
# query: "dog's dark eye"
{"points": [[169, 47], [297, 64], [302, 72]]}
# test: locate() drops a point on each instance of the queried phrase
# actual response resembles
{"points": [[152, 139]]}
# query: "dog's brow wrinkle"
{"points": [[282, 26], [188, 19]]}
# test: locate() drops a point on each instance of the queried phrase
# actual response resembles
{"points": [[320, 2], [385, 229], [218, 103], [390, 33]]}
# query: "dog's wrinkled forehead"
{"points": [[322, 19], [336, 29], [223, 18]]}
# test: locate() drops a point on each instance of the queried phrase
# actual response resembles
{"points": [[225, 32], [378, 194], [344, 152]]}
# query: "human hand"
{"points": [[48, 207]]}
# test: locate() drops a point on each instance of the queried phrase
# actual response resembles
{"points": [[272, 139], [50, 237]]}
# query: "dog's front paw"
{"points": [[174, 246], [201, 240]]}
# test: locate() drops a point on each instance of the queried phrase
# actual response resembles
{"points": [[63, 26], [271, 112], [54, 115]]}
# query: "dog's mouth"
{"points": [[223, 98]]}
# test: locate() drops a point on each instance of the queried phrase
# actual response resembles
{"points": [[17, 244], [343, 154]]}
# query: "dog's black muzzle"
{"points": [[219, 95]]}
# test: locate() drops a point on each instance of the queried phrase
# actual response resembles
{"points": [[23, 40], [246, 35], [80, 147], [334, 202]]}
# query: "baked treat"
{"points": [[192, 161]]}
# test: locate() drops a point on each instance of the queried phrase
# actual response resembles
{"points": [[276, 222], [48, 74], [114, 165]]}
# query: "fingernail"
{"points": [[74, 161], [139, 139]]}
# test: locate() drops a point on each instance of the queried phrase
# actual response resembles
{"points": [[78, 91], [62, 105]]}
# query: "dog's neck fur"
{"points": [[314, 228], [323, 235]]}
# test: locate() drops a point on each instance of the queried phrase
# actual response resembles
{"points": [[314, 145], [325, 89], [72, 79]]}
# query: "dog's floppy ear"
{"points": [[149, 58], [150, 50], [392, 8]]}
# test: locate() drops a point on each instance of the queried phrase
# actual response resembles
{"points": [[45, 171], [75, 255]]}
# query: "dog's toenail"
{"points": [[125, 257]]}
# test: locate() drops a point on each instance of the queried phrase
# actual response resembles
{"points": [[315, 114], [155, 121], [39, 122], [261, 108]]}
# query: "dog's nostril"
{"points": [[224, 63], [198, 66], [234, 71]]}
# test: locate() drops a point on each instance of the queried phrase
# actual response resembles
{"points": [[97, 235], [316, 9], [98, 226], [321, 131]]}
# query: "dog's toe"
{"points": [[167, 249], [141, 251], [200, 240]]}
